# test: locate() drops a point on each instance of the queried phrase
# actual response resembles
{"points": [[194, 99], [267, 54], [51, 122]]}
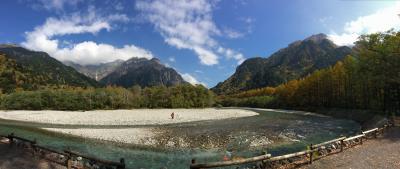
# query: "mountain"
{"points": [[96, 72], [12, 76], [143, 72], [297, 60], [44, 70]]}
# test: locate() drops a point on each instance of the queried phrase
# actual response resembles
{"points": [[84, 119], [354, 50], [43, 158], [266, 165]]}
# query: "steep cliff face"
{"points": [[143, 72], [96, 72], [297, 60]]}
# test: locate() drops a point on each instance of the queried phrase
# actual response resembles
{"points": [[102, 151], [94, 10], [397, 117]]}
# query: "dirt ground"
{"points": [[382, 153], [17, 158]]}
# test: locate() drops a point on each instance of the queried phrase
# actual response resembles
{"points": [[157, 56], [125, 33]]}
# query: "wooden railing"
{"points": [[68, 158], [230, 163], [312, 153], [106, 163]]}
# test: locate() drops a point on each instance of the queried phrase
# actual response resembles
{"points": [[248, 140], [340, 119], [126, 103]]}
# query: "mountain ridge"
{"points": [[46, 68], [296, 60], [96, 71], [143, 72]]}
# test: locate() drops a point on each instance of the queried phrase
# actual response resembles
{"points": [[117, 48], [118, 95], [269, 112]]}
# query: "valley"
{"points": [[155, 115]]}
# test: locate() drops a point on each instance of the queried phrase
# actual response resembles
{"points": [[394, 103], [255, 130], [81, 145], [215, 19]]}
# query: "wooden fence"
{"points": [[312, 153], [67, 158]]}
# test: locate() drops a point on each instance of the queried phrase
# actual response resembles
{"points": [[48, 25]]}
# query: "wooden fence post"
{"points": [[264, 162], [69, 163], [69, 159], [193, 162], [122, 161], [11, 139], [341, 145], [33, 146], [311, 153]]}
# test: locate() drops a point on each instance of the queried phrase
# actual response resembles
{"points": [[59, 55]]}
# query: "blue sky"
{"points": [[203, 40]]}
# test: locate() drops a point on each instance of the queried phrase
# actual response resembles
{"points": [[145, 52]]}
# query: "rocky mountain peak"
{"points": [[317, 38], [295, 61]]}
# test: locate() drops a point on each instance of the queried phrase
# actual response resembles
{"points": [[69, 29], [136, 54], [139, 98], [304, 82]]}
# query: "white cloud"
{"points": [[43, 38], [118, 6], [118, 17], [185, 24], [93, 53], [382, 20], [192, 80], [230, 33], [171, 59], [231, 54], [249, 23], [57, 4]]}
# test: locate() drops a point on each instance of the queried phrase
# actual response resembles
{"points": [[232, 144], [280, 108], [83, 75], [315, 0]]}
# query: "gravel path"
{"points": [[382, 153]]}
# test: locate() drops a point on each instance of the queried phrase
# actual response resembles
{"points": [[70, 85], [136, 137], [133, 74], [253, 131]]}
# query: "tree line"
{"points": [[69, 98], [367, 79]]}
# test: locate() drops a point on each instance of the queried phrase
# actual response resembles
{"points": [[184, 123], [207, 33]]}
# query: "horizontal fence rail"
{"points": [[287, 156], [329, 142], [314, 152], [229, 163], [119, 165], [370, 131], [68, 158], [354, 137]]}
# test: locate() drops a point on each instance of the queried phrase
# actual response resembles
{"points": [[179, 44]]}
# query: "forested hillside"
{"points": [[34, 81], [12, 76], [369, 79], [297, 60], [45, 70]]}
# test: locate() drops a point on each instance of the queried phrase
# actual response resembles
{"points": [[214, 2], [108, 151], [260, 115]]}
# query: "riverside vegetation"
{"points": [[367, 79], [180, 96]]}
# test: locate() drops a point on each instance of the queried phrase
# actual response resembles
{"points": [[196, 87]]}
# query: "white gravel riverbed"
{"points": [[124, 117], [140, 136]]}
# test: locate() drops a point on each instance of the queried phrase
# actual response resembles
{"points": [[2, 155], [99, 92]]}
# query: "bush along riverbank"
{"points": [[181, 96]]}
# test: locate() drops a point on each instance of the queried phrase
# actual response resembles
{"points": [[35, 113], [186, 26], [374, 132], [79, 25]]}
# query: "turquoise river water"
{"points": [[274, 132]]}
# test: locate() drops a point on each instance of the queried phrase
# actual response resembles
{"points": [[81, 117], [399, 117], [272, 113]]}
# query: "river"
{"points": [[272, 131]]}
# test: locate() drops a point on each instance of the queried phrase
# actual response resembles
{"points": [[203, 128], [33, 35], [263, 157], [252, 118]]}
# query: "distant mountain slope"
{"points": [[12, 76], [143, 72], [297, 60], [96, 72], [45, 69]]}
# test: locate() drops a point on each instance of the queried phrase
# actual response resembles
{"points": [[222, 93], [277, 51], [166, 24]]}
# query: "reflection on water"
{"points": [[274, 132]]}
